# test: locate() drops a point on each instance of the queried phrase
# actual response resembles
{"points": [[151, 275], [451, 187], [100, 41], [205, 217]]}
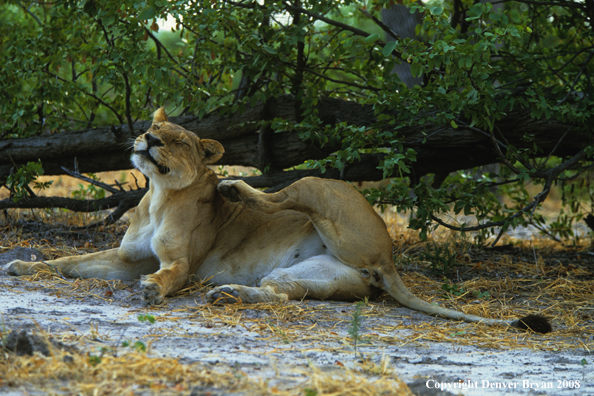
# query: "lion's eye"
{"points": [[181, 143]]}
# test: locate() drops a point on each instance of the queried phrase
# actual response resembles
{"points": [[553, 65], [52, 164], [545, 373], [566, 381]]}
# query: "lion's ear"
{"points": [[160, 116], [212, 150]]}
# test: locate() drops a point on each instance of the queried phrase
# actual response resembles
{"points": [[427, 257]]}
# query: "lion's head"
{"points": [[172, 156]]}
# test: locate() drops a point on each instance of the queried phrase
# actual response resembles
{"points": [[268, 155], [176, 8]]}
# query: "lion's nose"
{"points": [[152, 141]]}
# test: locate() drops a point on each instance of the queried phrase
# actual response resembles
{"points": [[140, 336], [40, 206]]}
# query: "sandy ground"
{"points": [[279, 344]]}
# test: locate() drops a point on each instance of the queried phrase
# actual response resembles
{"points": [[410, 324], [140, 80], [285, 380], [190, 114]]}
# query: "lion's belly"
{"points": [[249, 262]]}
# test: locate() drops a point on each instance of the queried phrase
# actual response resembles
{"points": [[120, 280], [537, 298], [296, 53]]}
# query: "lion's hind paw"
{"points": [[223, 295], [19, 267], [228, 190]]}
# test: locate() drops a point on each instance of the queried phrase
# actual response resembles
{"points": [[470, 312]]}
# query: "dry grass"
{"points": [[567, 302], [136, 373]]}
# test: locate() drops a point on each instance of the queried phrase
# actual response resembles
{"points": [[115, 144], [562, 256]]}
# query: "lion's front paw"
{"points": [[229, 190], [223, 295], [152, 293], [19, 267]]}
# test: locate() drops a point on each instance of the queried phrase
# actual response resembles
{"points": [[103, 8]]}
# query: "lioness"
{"points": [[317, 238]]}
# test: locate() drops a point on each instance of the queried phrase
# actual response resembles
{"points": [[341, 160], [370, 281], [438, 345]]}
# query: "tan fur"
{"points": [[316, 238]]}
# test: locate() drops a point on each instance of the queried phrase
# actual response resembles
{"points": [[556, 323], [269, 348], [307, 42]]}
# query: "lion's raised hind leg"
{"points": [[346, 223]]}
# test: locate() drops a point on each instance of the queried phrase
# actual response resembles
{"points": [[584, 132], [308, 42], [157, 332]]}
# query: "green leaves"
{"points": [[148, 13], [146, 318], [18, 182], [90, 64], [476, 11], [436, 10], [416, 69], [388, 48]]}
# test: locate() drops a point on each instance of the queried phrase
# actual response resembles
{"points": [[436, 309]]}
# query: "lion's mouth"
{"points": [[145, 153]]}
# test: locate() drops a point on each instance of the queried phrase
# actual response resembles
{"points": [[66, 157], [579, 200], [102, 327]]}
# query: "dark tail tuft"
{"points": [[536, 323]]}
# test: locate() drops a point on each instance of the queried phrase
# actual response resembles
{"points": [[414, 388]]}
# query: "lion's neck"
{"points": [[202, 191]]}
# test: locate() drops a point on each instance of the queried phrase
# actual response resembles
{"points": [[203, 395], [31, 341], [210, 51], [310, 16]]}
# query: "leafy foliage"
{"points": [[18, 182], [441, 257], [146, 318], [77, 64]]}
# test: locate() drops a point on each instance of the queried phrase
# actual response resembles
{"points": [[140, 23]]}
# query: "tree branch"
{"points": [[128, 104], [341, 25], [550, 176], [451, 149], [101, 101], [576, 79], [352, 84], [379, 23], [32, 15], [160, 45], [98, 183], [76, 205]]}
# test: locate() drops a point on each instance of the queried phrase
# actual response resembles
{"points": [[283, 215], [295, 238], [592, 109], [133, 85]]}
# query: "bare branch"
{"points": [[104, 186]]}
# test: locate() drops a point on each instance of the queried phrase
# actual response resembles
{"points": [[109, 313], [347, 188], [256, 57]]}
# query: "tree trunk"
{"points": [[439, 149]]}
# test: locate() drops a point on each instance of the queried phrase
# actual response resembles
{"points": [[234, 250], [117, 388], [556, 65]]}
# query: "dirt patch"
{"points": [[300, 348]]}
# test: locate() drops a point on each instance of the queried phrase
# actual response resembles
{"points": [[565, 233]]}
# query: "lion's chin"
{"points": [[140, 158]]}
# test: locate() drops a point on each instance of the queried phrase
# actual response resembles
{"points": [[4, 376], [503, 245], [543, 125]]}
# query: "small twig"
{"points": [[135, 181], [428, 136], [56, 271], [115, 349], [32, 15], [498, 237], [556, 145], [344, 82], [466, 229], [495, 142], [501, 156], [544, 231], [576, 79], [120, 185]]}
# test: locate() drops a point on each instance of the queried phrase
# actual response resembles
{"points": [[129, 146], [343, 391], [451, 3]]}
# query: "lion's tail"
{"points": [[394, 286]]}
